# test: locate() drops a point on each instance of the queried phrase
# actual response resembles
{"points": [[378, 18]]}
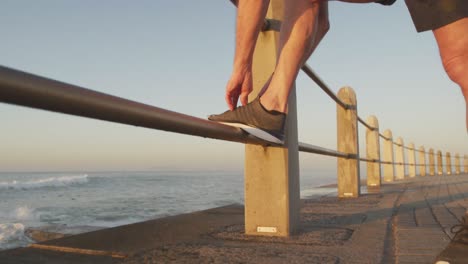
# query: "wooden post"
{"points": [[457, 163], [388, 169], [400, 159], [465, 163], [422, 161], [373, 152], [411, 161], [448, 165], [272, 199], [347, 142], [431, 162], [440, 165]]}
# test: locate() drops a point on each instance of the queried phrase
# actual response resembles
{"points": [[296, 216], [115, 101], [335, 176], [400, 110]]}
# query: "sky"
{"points": [[177, 55]]}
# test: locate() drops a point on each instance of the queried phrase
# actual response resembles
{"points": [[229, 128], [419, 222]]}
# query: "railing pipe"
{"points": [[382, 136], [457, 163], [30, 90], [323, 151], [366, 124], [309, 72]]}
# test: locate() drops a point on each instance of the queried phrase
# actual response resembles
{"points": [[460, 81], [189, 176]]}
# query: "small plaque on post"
{"points": [[266, 229]]}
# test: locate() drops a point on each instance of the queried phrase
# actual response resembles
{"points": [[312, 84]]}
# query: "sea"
{"points": [[109, 199]]}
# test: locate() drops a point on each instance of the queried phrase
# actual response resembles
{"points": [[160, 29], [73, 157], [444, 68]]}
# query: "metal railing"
{"points": [[25, 89]]}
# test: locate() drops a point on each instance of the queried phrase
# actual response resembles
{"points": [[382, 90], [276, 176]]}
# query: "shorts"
{"points": [[433, 14]]}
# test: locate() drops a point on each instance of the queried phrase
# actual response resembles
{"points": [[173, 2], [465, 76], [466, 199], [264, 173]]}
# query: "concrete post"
{"points": [[272, 199], [448, 165], [411, 161], [373, 152], [465, 163], [347, 142], [422, 161], [431, 162], [400, 159], [457, 163], [388, 169], [440, 164]]}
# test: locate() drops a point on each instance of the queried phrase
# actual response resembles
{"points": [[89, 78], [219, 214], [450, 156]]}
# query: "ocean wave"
{"points": [[12, 235], [23, 213], [59, 181]]}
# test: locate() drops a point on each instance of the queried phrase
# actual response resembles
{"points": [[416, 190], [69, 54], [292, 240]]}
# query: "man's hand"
{"points": [[239, 87]]}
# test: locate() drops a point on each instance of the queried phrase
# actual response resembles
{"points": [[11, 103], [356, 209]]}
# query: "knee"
{"points": [[455, 67], [457, 70]]}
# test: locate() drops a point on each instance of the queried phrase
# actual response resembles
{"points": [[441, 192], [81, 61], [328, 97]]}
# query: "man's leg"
{"points": [[304, 26], [305, 23], [453, 46], [297, 40], [323, 27]]}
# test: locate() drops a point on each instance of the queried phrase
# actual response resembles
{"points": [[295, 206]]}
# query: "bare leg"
{"points": [[298, 35], [323, 27], [453, 46], [250, 17]]}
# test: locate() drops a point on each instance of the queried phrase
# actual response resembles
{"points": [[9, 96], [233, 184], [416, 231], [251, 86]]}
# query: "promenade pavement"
{"points": [[407, 221]]}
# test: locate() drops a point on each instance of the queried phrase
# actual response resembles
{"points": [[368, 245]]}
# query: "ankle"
{"points": [[272, 105]]}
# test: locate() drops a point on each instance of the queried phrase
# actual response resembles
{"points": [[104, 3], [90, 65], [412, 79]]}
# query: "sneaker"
{"points": [[457, 251], [255, 120]]}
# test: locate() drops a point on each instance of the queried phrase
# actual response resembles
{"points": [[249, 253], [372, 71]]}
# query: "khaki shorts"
{"points": [[433, 14]]}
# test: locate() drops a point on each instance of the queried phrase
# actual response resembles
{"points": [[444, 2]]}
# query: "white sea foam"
{"points": [[23, 213], [58, 181], [12, 235]]}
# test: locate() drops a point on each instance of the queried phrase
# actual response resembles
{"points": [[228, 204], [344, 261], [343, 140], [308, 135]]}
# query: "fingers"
{"points": [[232, 96], [238, 87], [247, 88], [244, 98], [231, 101]]}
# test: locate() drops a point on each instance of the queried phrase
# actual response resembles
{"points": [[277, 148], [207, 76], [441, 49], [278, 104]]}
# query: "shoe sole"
{"points": [[256, 132]]}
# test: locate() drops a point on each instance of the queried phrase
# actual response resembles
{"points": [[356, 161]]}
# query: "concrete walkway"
{"points": [[404, 222]]}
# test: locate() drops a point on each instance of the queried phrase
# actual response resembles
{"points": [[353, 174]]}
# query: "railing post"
{"points": [[422, 161], [448, 165], [465, 163], [400, 159], [431, 162], [272, 199], [373, 152], [388, 169], [440, 165], [411, 161], [347, 142], [457, 163]]}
